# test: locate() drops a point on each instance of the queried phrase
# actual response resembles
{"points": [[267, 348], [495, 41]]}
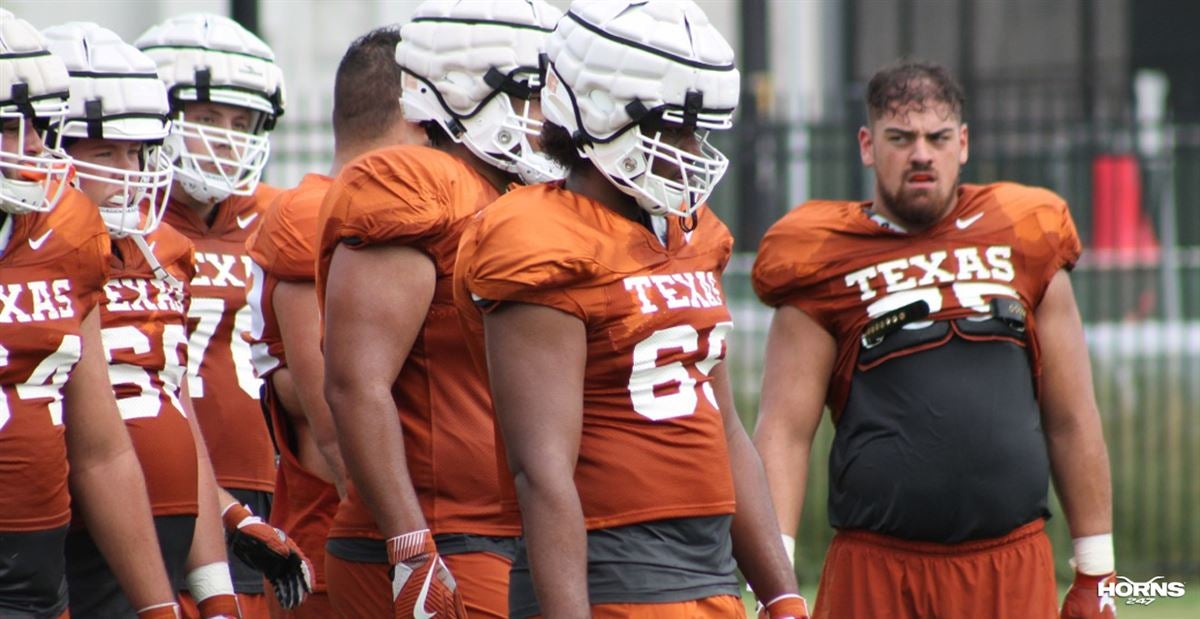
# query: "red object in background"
{"points": [[1122, 235]]}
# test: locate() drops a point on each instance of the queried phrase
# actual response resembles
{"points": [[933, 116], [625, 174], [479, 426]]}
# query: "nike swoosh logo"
{"points": [[419, 611], [242, 223], [36, 244], [963, 224]]}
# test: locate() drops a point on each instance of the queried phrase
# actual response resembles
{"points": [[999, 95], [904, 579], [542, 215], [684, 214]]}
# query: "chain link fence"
{"points": [[1134, 192]]}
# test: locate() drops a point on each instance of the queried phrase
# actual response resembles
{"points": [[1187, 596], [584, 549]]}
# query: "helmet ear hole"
{"points": [[674, 71], [116, 102], [465, 62], [33, 92], [213, 59]]}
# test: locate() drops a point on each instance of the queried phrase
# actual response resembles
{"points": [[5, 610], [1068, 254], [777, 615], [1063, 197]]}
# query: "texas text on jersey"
{"points": [[52, 272], [547, 246], [143, 325], [221, 380], [937, 346], [653, 451]]}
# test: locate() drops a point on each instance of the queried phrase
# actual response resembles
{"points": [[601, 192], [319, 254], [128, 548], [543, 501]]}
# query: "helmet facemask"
{"points": [[136, 206], [213, 163], [663, 178], [30, 183], [206, 59]]}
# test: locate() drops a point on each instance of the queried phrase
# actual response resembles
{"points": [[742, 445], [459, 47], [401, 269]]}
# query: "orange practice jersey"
{"points": [[221, 378], [653, 440], [143, 323], [52, 272], [842, 268], [422, 198], [283, 249]]}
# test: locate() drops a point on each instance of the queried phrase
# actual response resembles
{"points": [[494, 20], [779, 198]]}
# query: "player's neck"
{"points": [[586, 180], [205, 211], [347, 150], [495, 176]]}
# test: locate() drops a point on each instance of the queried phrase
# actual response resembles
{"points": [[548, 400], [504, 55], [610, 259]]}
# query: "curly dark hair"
{"points": [[558, 145], [913, 84]]}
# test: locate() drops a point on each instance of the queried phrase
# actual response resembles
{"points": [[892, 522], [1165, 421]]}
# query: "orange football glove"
{"points": [[422, 586], [169, 610], [270, 551], [786, 606], [1084, 601], [221, 606]]}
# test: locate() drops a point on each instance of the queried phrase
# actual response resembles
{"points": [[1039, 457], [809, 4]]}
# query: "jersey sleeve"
{"points": [[284, 245], [95, 267], [516, 254], [1045, 230], [1068, 244], [78, 218], [389, 197], [784, 268]]}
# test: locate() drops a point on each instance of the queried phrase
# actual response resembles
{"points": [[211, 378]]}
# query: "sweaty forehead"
{"points": [[924, 116]]}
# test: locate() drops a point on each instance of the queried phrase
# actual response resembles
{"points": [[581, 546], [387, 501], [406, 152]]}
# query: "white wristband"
{"points": [[789, 546], [209, 580], [1094, 554]]}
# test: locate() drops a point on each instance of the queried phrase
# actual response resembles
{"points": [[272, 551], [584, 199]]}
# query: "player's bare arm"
{"points": [[799, 360], [106, 479], [755, 531], [1070, 418], [299, 325], [536, 358], [370, 330], [208, 543]]}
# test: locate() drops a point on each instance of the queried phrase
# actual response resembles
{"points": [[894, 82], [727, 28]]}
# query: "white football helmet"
{"points": [[33, 87], [209, 58], [616, 65], [115, 95], [465, 63]]}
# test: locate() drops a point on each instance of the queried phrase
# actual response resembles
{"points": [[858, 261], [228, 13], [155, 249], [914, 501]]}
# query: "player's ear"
{"points": [[866, 145], [963, 143]]}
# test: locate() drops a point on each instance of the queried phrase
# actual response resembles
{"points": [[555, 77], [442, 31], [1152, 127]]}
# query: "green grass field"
{"points": [[1146, 389], [1186, 607]]}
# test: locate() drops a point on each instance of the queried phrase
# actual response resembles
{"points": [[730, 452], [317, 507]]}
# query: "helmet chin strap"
{"points": [[159, 272]]}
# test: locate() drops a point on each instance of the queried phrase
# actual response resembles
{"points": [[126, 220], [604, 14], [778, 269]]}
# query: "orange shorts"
{"points": [[723, 606], [364, 590], [872, 575], [252, 606]]}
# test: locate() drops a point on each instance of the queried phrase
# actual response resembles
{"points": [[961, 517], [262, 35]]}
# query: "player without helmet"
{"points": [[638, 85], [225, 93], [473, 68], [33, 90], [115, 126]]}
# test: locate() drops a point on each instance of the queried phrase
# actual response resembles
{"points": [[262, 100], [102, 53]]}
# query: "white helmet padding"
{"points": [[115, 95], [213, 59], [33, 87], [466, 63], [615, 66]]}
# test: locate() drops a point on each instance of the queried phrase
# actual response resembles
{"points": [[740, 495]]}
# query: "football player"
{"points": [[113, 132], [938, 324], [419, 531], [226, 94], [605, 327], [287, 333], [59, 423]]}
